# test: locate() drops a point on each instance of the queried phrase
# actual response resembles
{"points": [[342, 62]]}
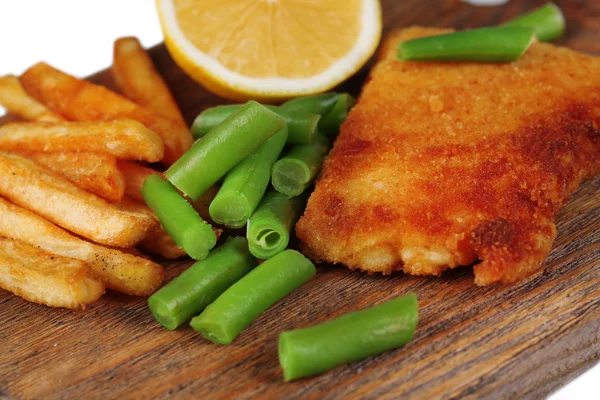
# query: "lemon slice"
{"points": [[270, 50]]}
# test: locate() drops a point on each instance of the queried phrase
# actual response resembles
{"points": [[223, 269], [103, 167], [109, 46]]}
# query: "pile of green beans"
{"points": [[505, 43], [247, 147]]}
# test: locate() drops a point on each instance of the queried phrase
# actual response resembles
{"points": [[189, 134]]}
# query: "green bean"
{"points": [[502, 44], [302, 126], [319, 104], [548, 21], [246, 184], [332, 107], [249, 297], [270, 226], [220, 150], [178, 217], [200, 284], [210, 118], [295, 172], [351, 337], [331, 122]]}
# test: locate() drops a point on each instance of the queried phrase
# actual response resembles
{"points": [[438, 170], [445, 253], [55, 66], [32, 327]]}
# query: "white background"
{"points": [[77, 36]]}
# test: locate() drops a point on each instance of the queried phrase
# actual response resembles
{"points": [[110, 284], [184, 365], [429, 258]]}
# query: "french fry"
{"points": [[122, 138], [139, 80], [16, 101], [132, 205], [119, 270], [57, 199], [160, 243], [95, 172], [80, 100], [45, 278], [9, 119], [135, 175], [201, 205]]}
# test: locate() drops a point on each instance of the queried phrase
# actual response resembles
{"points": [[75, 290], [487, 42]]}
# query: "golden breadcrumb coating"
{"points": [[444, 164]]}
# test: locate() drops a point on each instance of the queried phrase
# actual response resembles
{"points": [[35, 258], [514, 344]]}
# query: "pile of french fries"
{"points": [[73, 157]]}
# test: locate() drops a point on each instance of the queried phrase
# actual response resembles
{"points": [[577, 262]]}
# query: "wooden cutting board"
{"points": [[512, 341]]}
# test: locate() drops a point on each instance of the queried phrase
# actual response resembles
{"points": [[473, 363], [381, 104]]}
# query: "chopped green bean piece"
{"points": [[178, 217], [331, 122], [351, 337], [547, 20], [501, 44], [270, 226], [200, 284], [210, 118], [295, 172], [301, 126], [222, 148], [245, 185], [318, 104], [248, 298]]}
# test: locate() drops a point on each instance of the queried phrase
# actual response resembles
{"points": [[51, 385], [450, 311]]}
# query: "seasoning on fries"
{"points": [[57, 199], [45, 278], [119, 270]]}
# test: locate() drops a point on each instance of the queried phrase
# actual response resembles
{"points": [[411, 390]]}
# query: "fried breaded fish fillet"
{"points": [[445, 164]]}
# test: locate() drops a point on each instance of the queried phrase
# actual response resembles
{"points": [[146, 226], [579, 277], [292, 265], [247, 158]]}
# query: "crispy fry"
{"points": [[9, 119], [122, 138], [135, 175], [83, 101], [57, 199], [118, 269], [16, 100], [131, 205], [95, 172], [201, 205], [160, 243], [45, 278], [139, 80]]}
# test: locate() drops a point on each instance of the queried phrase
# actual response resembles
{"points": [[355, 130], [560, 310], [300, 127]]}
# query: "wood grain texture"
{"points": [[515, 341]]}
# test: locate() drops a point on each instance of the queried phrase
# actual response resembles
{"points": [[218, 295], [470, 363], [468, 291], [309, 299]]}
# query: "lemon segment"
{"points": [[270, 50]]}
